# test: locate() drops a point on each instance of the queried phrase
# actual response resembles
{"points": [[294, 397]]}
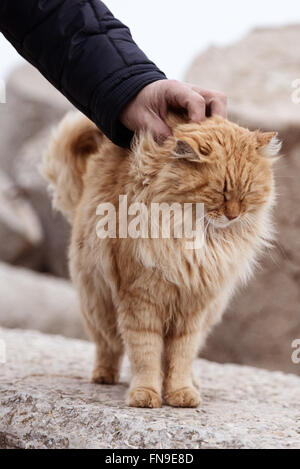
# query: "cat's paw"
{"points": [[103, 376], [143, 397], [185, 397]]}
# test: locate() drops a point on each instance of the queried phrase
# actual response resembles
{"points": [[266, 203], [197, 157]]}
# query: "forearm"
{"points": [[84, 52]]}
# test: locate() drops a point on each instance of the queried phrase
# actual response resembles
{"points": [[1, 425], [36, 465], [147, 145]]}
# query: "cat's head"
{"points": [[220, 164]]}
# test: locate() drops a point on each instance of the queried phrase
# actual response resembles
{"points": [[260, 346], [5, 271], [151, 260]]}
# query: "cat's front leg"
{"points": [[181, 348], [141, 330]]}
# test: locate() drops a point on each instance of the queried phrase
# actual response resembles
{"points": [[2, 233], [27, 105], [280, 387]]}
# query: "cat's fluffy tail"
{"points": [[64, 162]]}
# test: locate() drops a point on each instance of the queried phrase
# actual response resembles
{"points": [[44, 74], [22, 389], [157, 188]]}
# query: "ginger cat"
{"points": [[153, 297]]}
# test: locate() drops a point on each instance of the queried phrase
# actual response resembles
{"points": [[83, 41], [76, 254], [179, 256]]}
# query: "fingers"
{"points": [[149, 109], [158, 128], [215, 101], [196, 107], [218, 107], [197, 101], [180, 95]]}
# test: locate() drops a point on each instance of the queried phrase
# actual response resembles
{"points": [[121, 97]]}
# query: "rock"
{"points": [[257, 74], [47, 401], [35, 301], [54, 250], [20, 230], [33, 107]]}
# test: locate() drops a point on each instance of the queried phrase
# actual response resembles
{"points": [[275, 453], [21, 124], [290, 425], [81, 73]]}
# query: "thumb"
{"points": [[158, 128]]}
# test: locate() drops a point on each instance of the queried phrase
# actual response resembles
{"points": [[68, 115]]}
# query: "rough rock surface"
{"points": [[32, 104], [53, 251], [34, 301], [257, 74], [20, 230], [47, 401], [33, 107]]}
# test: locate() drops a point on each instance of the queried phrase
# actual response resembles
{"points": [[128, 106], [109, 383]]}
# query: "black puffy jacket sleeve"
{"points": [[85, 52]]}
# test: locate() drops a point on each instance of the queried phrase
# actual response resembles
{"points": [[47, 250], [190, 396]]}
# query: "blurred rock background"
{"points": [[257, 74]]}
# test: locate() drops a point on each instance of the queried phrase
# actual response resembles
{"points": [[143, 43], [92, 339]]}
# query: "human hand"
{"points": [[148, 110]]}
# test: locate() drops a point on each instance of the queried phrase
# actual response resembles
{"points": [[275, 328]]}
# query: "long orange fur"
{"points": [[153, 297]]}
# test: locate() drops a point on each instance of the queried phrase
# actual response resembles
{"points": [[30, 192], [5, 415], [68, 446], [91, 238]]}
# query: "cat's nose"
{"points": [[232, 209], [232, 217]]}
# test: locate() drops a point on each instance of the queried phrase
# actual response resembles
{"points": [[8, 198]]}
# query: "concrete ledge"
{"points": [[47, 401]]}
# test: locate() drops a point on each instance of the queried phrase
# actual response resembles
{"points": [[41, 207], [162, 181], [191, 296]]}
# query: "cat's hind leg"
{"points": [[108, 359], [101, 322]]}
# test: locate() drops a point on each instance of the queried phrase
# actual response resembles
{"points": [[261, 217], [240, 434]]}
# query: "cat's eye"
{"points": [[205, 151], [221, 194], [225, 190]]}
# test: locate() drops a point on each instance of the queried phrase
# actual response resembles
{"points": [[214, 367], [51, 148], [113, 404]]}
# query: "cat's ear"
{"points": [[189, 151], [184, 150], [269, 144]]}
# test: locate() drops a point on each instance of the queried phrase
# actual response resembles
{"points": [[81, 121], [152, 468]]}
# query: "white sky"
{"points": [[173, 32]]}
